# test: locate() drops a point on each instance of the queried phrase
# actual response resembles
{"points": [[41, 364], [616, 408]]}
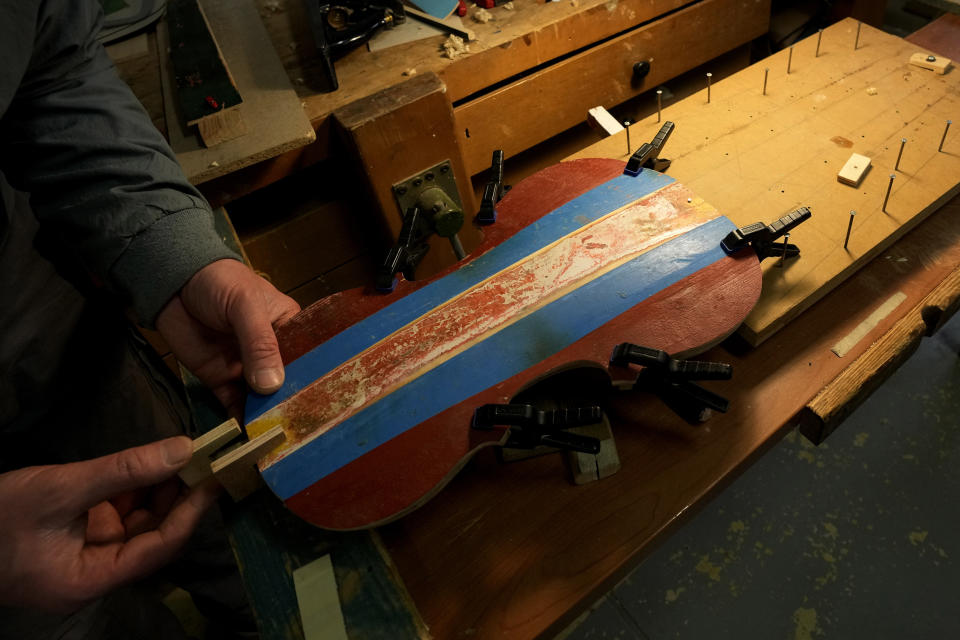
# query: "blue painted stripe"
{"points": [[594, 204], [504, 354]]}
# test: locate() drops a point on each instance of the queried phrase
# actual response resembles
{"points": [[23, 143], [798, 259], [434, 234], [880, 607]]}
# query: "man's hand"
{"points": [[221, 327], [73, 532]]}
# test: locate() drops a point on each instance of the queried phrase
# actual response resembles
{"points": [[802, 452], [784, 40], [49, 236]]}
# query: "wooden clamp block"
{"points": [[853, 171], [600, 118], [937, 65], [589, 467], [198, 469], [237, 469]]}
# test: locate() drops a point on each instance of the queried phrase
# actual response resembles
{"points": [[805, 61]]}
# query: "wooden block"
{"points": [[205, 446], [600, 118], [319, 601], [386, 132], [221, 127], [854, 170], [588, 467], [236, 470], [938, 65]]}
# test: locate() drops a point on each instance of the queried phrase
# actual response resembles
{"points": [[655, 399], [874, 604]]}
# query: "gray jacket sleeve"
{"points": [[98, 173]]}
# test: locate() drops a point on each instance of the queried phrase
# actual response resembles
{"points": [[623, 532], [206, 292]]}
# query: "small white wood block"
{"points": [[854, 169], [601, 119], [937, 65], [205, 446]]}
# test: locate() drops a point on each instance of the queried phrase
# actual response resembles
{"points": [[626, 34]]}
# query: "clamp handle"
{"points": [[647, 154], [762, 237], [531, 427], [493, 191]]}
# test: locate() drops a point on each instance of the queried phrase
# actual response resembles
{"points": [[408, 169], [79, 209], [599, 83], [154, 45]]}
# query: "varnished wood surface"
{"points": [[516, 551], [696, 311]]}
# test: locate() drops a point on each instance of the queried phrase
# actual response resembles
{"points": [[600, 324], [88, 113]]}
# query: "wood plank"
{"points": [[854, 169], [387, 132], [757, 156], [204, 447], [272, 112], [236, 470], [512, 117], [851, 388]]}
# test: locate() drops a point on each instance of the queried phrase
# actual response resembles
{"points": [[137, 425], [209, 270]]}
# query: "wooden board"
{"points": [[272, 112], [378, 414], [535, 107], [756, 157]]}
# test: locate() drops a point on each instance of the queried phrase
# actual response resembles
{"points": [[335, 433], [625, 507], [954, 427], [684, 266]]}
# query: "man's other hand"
{"points": [[73, 532], [221, 327]]}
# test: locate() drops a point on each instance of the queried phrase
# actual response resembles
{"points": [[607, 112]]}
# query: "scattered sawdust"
{"points": [[806, 621], [917, 537], [673, 594], [273, 6], [454, 46], [708, 568], [807, 456], [482, 16], [872, 91], [410, 72], [860, 439], [831, 530], [508, 6], [214, 164], [738, 526]]}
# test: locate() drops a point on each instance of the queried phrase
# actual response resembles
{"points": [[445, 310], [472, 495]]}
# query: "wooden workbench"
{"points": [[516, 551]]}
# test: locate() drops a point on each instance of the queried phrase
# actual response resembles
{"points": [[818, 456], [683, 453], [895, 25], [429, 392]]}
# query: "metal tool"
{"points": [[407, 253], [493, 192], [903, 142], [886, 198], [340, 26], [671, 380], [765, 73], [530, 427], [646, 155], [849, 228], [763, 237], [944, 138]]}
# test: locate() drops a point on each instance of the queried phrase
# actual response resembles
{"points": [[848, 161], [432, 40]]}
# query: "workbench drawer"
{"points": [[542, 104]]}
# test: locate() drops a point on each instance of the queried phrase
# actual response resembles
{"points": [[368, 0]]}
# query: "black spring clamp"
{"points": [[531, 427], [646, 156], [671, 379], [763, 238]]}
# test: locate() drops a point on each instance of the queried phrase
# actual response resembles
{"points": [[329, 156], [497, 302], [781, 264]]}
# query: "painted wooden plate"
{"points": [[380, 390]]}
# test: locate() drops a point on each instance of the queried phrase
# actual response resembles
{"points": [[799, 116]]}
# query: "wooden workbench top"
{"points": [[517, 551]]}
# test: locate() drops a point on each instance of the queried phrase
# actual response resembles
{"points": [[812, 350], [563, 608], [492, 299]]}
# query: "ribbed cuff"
{"points": [[160, 260]]}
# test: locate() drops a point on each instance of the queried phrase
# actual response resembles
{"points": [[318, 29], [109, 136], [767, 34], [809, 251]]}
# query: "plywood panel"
{"points": [[756, 157]]}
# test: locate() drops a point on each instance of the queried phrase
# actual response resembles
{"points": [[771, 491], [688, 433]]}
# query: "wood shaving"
{"points": [[273, 6], [454, 47], [410, 72], [872, 91], [482, 16], [508, 6]]}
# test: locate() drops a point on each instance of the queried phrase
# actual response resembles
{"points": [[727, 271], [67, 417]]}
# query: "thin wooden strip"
{"points": [[849, 341]]}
